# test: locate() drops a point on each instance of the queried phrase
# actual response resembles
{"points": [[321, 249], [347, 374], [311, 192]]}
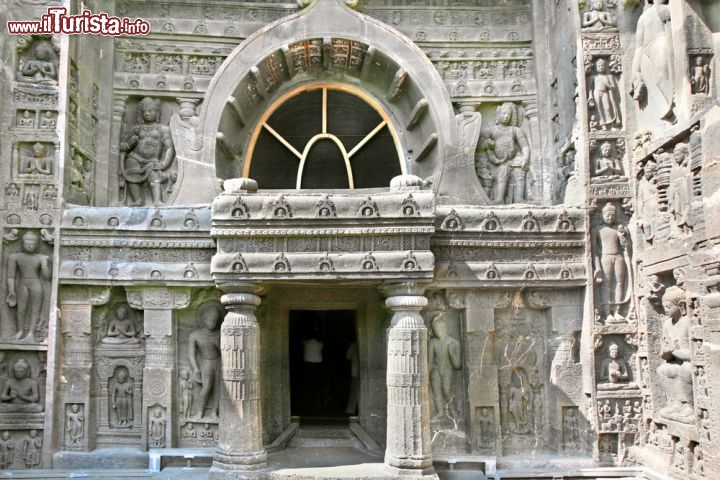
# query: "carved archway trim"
{"points": [[392, 68]]}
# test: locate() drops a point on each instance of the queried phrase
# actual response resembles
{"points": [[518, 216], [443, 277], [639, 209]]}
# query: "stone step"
{"points": [[365, 471], [324, 431], [325, 436]]}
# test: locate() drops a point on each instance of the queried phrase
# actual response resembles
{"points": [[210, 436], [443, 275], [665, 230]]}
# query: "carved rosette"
{"points": [[408, 409], [240, 444]]}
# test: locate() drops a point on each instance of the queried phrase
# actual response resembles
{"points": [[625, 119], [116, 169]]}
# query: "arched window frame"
{"points": [[262, 124]]}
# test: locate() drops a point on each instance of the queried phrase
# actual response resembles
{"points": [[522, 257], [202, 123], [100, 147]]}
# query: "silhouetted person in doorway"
{"points": [[313, 371]]}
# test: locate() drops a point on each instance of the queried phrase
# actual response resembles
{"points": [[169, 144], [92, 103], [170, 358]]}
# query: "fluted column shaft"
{"points": [[240, 445], [408, 410]]}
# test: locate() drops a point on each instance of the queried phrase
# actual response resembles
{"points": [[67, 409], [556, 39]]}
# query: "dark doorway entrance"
{"points": [[323, 364]]}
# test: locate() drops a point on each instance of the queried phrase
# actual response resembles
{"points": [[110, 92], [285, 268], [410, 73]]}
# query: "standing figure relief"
{"points": [[505, 157]]}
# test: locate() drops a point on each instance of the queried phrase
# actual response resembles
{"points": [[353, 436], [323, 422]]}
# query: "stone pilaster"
{"points": [[408, 409], [73, 377], [159, 369], [240, 447], [118, 110]]}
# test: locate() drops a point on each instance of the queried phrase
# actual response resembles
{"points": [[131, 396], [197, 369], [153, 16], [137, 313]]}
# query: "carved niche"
{"points": [[38, 60], [443, 318], [147, 164], [503, 157], [27, 286], [519, 350], [198, 365]]}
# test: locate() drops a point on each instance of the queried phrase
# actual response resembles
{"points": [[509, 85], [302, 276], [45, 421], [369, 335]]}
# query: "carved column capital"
{"points": [[82, 295], [531, 108], [393, 289], [241, 287], [162, 298], [240, 300], [188, 107], [119, 102]]}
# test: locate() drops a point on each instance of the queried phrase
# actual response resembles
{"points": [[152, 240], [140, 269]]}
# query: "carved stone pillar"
{"points": [[159, 376], [118, 110], [240, 446], [74, 375], [408, 408], [541, 190]]}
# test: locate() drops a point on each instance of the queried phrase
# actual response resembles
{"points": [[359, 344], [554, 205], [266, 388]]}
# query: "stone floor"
{"points": [[309, 463]]}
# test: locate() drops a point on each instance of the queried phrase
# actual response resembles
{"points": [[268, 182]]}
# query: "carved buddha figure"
{"points": [[40, 162], [596, 20], [652, 82], [122, 399], [77, 172], [41, 68], [647, 202], [566, 170], [26, 120], [186, 393], [121, 330], [614, 371], [19, 388], [614, 368], [443, 357], [157, 429], [700, 79], [611, 264], [571, 429], [675, 375], [679, 191], [32, 448], [518, 404], [607, 166], [7, 450], [604, 96], [487, 427], [25, 275], [75, 424], [48, 121], [204, 358]]}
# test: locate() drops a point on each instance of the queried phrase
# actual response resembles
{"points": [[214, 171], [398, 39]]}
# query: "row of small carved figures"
{"points": [[688, 458], [325, 264], [625, 418], [491, 223], [325, 208]]}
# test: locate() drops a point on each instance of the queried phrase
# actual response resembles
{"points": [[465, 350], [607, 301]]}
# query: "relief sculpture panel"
{"points": [[520, 357], [675, 374], [28, 274], [199, 375], [613, 267], [445, 362], [503, 159], [147, 166], [601, 115], [652, 76]]}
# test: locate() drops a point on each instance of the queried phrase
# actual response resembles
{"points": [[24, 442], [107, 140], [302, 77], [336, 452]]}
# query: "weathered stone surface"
{"points": [[514, 252]]}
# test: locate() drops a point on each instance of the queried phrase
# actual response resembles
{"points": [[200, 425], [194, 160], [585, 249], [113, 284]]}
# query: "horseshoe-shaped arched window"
{"points": [[324, 136]]}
